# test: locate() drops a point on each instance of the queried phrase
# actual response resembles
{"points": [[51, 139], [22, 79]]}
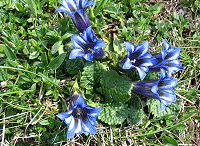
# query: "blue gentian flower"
{"points": [[77, 11], [162, 89], [80, 117], [167, 59], [87, 45], [138, 58]]}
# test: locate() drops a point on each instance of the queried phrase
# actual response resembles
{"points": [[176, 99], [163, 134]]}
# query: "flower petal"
{"points": [[93, 111], [172, 63], [80, 19], [166, 44], [130, 48], [154, 89], [167, 96], [163, 73], [78, 41], [141, 72], [162, 106], [144, 68], [127, 64], [64, 115], [62, 9], [68, 120], [147, 88], [173, 54], [99, 44], [70, 5], [88, 127], [168, 82], [76, 53], [89, 56], [79, 127], [88, 34], [141, 49], [173, 70], [71, 129], [143, 62], [78, 100], [89, 3], [99, 53]]}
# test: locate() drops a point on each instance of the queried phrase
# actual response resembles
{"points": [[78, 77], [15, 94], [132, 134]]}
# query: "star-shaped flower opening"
{"points": [[138, 58], [80, 117], [167, 59], [87, 46]]}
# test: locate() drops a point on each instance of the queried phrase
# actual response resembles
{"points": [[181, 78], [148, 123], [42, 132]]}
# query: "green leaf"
{"points": [[73, 66], [180, 126], [99, 6], [34, 55], [44, 122], [115, 87], [2, 47], [170, 141], [114, 115], [91, 76], [9, 53], [154, 108], [56, 62], [118, 45], [3, 75], [67, 35], [57, 46], [197, 118], [136, 112], [32, 5], [87, 78]]}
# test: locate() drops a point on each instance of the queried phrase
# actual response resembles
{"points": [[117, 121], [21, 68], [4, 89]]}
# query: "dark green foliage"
{"points": [[136, 112], [87, 79], [114, 115], [74, 66], [114, 87], [91, 76]]}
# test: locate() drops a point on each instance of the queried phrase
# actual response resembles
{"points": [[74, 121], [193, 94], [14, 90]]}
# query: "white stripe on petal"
{"points": [[79, 128], [61, 9], [93, 114], [85, 127], [74, 5], [79, 39], [72, 123], [68, 120], [64, 3], [167, 98], [70, 112], [165, 102]]}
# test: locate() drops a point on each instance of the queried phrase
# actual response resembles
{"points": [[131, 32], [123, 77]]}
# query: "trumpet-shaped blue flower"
{"points": [[77, 11], [80, 118], [167, 59], [162, 89], [137, 58], [87, 45]]}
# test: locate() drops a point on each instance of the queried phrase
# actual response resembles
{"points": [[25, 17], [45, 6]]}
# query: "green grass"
{"points": [[37, 78]]}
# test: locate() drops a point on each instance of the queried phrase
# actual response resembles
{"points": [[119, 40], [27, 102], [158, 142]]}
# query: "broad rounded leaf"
{"points": [[114, 115], [115, 87]]}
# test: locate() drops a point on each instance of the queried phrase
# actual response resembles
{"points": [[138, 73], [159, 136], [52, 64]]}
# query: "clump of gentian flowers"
{"points": [[81, 117]]}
